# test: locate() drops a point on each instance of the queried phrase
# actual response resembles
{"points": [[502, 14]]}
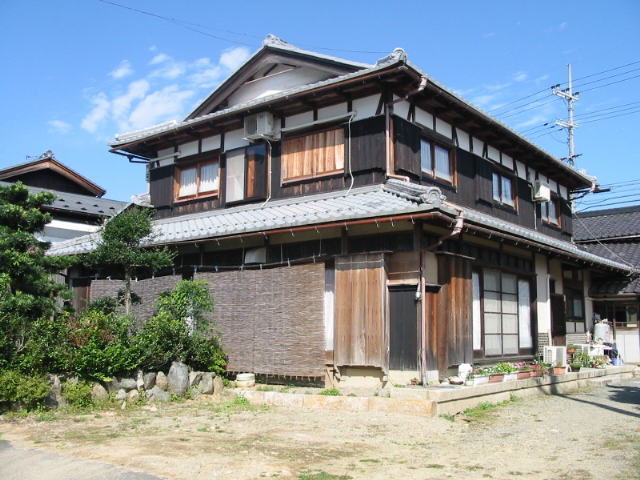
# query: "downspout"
{"points": [[457, 228], [387, 128]]}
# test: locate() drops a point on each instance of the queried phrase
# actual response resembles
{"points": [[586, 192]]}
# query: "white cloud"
{"points": [[100, 111], [535, 120], [160, 58], [60, 126], [123, 70], [159, 106], [520, 76], [120, 106], [233, 58]]}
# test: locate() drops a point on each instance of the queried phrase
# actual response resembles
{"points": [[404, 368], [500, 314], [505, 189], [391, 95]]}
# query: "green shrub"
{"points": [[101, 345], [333, 392], [22, 391], [78, 393]]}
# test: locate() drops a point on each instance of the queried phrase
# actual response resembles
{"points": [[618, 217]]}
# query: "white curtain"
{"points": [[188, 182]]}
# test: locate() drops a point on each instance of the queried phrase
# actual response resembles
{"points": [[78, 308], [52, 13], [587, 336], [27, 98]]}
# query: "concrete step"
{"points": [[601, 382]]}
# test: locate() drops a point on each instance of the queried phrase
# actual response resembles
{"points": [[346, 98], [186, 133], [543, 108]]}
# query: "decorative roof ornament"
{"points": [[46, 155], [273, 41], [397, 55]]}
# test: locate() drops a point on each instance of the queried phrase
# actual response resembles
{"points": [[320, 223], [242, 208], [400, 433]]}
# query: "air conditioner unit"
{"points": [[257, 125], [555, 355], [541, 192]]}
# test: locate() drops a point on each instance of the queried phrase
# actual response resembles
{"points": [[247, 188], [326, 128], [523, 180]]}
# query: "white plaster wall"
{"points": [[424, 118], [300, 119], [187, 149], [543, 303], [332, 111], [234, 139], [211, 143], [401, 109], [366, 107]]}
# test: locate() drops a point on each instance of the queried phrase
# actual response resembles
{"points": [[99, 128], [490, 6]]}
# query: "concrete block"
{"points": [[422, 408], [351, 404]]}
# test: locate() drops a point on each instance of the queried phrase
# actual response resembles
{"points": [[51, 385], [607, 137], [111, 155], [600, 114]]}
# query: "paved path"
{"points": [[27, 464]]}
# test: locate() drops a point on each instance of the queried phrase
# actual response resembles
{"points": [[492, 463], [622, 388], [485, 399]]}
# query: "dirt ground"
{"points": [[590, 434]]}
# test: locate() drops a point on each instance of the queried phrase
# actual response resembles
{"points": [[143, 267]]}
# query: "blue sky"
{"points": [[76, 73]]}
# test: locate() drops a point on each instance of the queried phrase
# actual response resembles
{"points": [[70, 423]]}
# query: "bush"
{"points": [[78, 393], [21, 391], [101, 345]]}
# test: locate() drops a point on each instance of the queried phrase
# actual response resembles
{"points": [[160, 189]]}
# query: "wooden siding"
{"points": [[448, 313], [368, 146], [361, 311], [407, 147]]}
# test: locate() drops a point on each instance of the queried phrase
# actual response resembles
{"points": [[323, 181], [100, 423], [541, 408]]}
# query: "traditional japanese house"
{"points": [[362, 223], [614, 234]]}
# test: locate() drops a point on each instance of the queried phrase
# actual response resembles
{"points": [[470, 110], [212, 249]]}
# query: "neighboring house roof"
{"points": [[397, 60], [614, 223], [378, 202], [48, 161], [620, 286]]}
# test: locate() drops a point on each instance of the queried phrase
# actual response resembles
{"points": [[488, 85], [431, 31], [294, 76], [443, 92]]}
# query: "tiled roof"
{"points": [[626, 285], [607, 224], [394, 198], [82, 204], [623, 252]]}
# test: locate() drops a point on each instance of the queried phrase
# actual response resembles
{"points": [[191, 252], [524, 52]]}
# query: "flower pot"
{"points": [[496, 377], [480, 379], [469, 382], [522, 374], [536, 373], [511, 376], [559, 370], [575, 368], [571, 351]]}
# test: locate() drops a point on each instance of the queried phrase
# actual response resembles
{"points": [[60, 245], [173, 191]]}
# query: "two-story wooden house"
{"points": [[362, 222]]}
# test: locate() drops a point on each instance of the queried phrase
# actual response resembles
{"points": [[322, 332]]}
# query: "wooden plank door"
{"points": [[558, 322], [404, 343]]}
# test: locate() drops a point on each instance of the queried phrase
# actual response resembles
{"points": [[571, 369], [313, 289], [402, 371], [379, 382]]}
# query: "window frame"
{"points": [[499, 200], [433, 172], [545, 211], [198, 164], [480, 313], [314, 136], [255, 177]]}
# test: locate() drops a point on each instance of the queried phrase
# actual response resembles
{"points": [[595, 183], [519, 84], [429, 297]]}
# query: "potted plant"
{"points": [[538, 369], [599, 361], [572, 348], [584, 359], [523, 370], [480, 376], [509, 370], [559, 369], [575, 367]]}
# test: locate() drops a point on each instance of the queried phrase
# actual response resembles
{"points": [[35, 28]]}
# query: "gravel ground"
{"points": [[589, 434]]}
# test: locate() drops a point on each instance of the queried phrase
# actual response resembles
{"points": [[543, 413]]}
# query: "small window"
{"points": [[503, 189], [550, 212], [198, 180], [436, 161], [246, 174], [313, 155]]}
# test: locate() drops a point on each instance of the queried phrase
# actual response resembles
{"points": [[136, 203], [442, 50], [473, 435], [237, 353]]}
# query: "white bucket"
{"points": [[463, 370]]}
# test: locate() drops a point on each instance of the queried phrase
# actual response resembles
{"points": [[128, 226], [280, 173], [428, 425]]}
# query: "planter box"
{"points": [[511, 377], [535, 373], [480, 379], [496, 377], [559, 370], [523, 374]]}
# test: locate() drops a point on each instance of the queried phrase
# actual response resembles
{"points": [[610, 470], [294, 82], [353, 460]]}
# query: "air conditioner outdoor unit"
{"points": [[592, 350], [555, 356], [257, 125], [541, 192]]}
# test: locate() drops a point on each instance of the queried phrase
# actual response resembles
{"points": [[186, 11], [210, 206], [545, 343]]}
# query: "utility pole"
{"points": [[570, 97]]}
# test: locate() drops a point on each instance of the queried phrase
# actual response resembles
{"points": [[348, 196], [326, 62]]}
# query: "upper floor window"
{"points": [[246, 173], [197, 180], [435, 161], [503, 189], [313, 155], [550, 211]]}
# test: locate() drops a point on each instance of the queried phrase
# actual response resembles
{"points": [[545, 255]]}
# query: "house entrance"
{"points": [[558, 323], [403, 342]]}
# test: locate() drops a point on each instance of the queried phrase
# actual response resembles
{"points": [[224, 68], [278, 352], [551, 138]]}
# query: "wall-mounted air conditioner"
{"points": [[257, 125], [555, 355], [541, 192]]}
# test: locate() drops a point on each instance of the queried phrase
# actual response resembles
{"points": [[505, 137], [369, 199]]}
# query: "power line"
{"points": [[189, 26]]}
